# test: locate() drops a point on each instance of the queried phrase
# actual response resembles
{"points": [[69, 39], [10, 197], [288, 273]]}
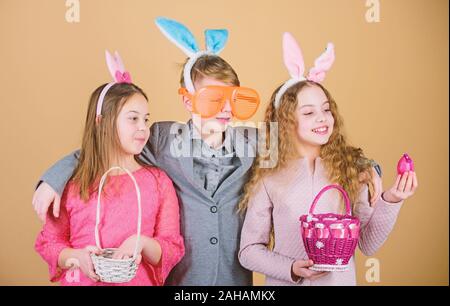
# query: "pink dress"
{"points": [[75, 226]]}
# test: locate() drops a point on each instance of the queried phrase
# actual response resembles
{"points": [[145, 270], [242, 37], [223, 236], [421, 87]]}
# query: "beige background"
{"points": [[390, 80]]}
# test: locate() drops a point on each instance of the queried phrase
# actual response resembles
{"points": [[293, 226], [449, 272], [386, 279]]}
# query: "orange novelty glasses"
{"points": [[210, 100]]}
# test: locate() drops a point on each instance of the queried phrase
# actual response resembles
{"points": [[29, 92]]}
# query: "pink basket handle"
{"points": [[343, 192]]}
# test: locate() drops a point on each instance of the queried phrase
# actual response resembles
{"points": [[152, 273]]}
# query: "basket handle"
{"points": [[343, 192], [138, 194]]}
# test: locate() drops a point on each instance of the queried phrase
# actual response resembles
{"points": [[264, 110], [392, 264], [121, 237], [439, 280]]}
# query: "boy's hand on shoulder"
{"points": [[43, 197], [375, 183]]}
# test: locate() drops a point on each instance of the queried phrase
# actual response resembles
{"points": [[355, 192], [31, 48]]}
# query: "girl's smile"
{"points": [[315, 121], [323, 130]]}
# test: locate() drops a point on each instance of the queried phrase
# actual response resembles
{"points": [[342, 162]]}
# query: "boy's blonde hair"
{"points": [[212, 66]]}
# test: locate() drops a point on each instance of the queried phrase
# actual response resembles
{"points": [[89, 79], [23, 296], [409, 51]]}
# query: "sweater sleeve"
{"points": [[53, 238], [254, 253], [167, 231], [377, 222]]}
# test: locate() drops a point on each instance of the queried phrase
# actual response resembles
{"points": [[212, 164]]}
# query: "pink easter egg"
{"points": [[405, 164]]}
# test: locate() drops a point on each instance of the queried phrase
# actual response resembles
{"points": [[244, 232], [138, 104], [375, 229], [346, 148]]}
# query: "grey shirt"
{"points": [[213, 166]]}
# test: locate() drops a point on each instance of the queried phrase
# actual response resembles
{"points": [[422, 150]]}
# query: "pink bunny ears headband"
{"points": [[293, 59], [119, 75]]}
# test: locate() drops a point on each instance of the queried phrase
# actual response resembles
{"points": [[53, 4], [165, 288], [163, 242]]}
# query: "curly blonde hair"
{"points": [[343, 163]]}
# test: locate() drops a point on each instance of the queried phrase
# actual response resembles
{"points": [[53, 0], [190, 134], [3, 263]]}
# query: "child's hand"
{"points": [[404, 187], [43, 197], [126, 249], [300, 269], [83, 257]]}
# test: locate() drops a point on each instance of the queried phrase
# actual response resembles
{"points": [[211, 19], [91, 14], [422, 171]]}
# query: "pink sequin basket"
{"points": [[330, 239]]}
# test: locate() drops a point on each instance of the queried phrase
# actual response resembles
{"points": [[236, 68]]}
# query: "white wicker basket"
{"points": [[115, 270]]}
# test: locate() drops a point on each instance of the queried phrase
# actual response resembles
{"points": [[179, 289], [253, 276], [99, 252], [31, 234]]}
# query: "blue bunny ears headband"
{"points": [[185, 40]]}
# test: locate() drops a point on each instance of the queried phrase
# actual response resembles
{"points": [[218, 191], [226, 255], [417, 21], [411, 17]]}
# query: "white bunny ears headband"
{"points": [[185, 40], [119, 75], [293, 60]]}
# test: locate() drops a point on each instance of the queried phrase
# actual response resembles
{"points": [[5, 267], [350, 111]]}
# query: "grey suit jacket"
{"points": [[211, 226]]}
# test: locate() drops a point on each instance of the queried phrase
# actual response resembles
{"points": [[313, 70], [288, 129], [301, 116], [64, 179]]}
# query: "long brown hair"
{"points": [[101, 144], [342, 162]]}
